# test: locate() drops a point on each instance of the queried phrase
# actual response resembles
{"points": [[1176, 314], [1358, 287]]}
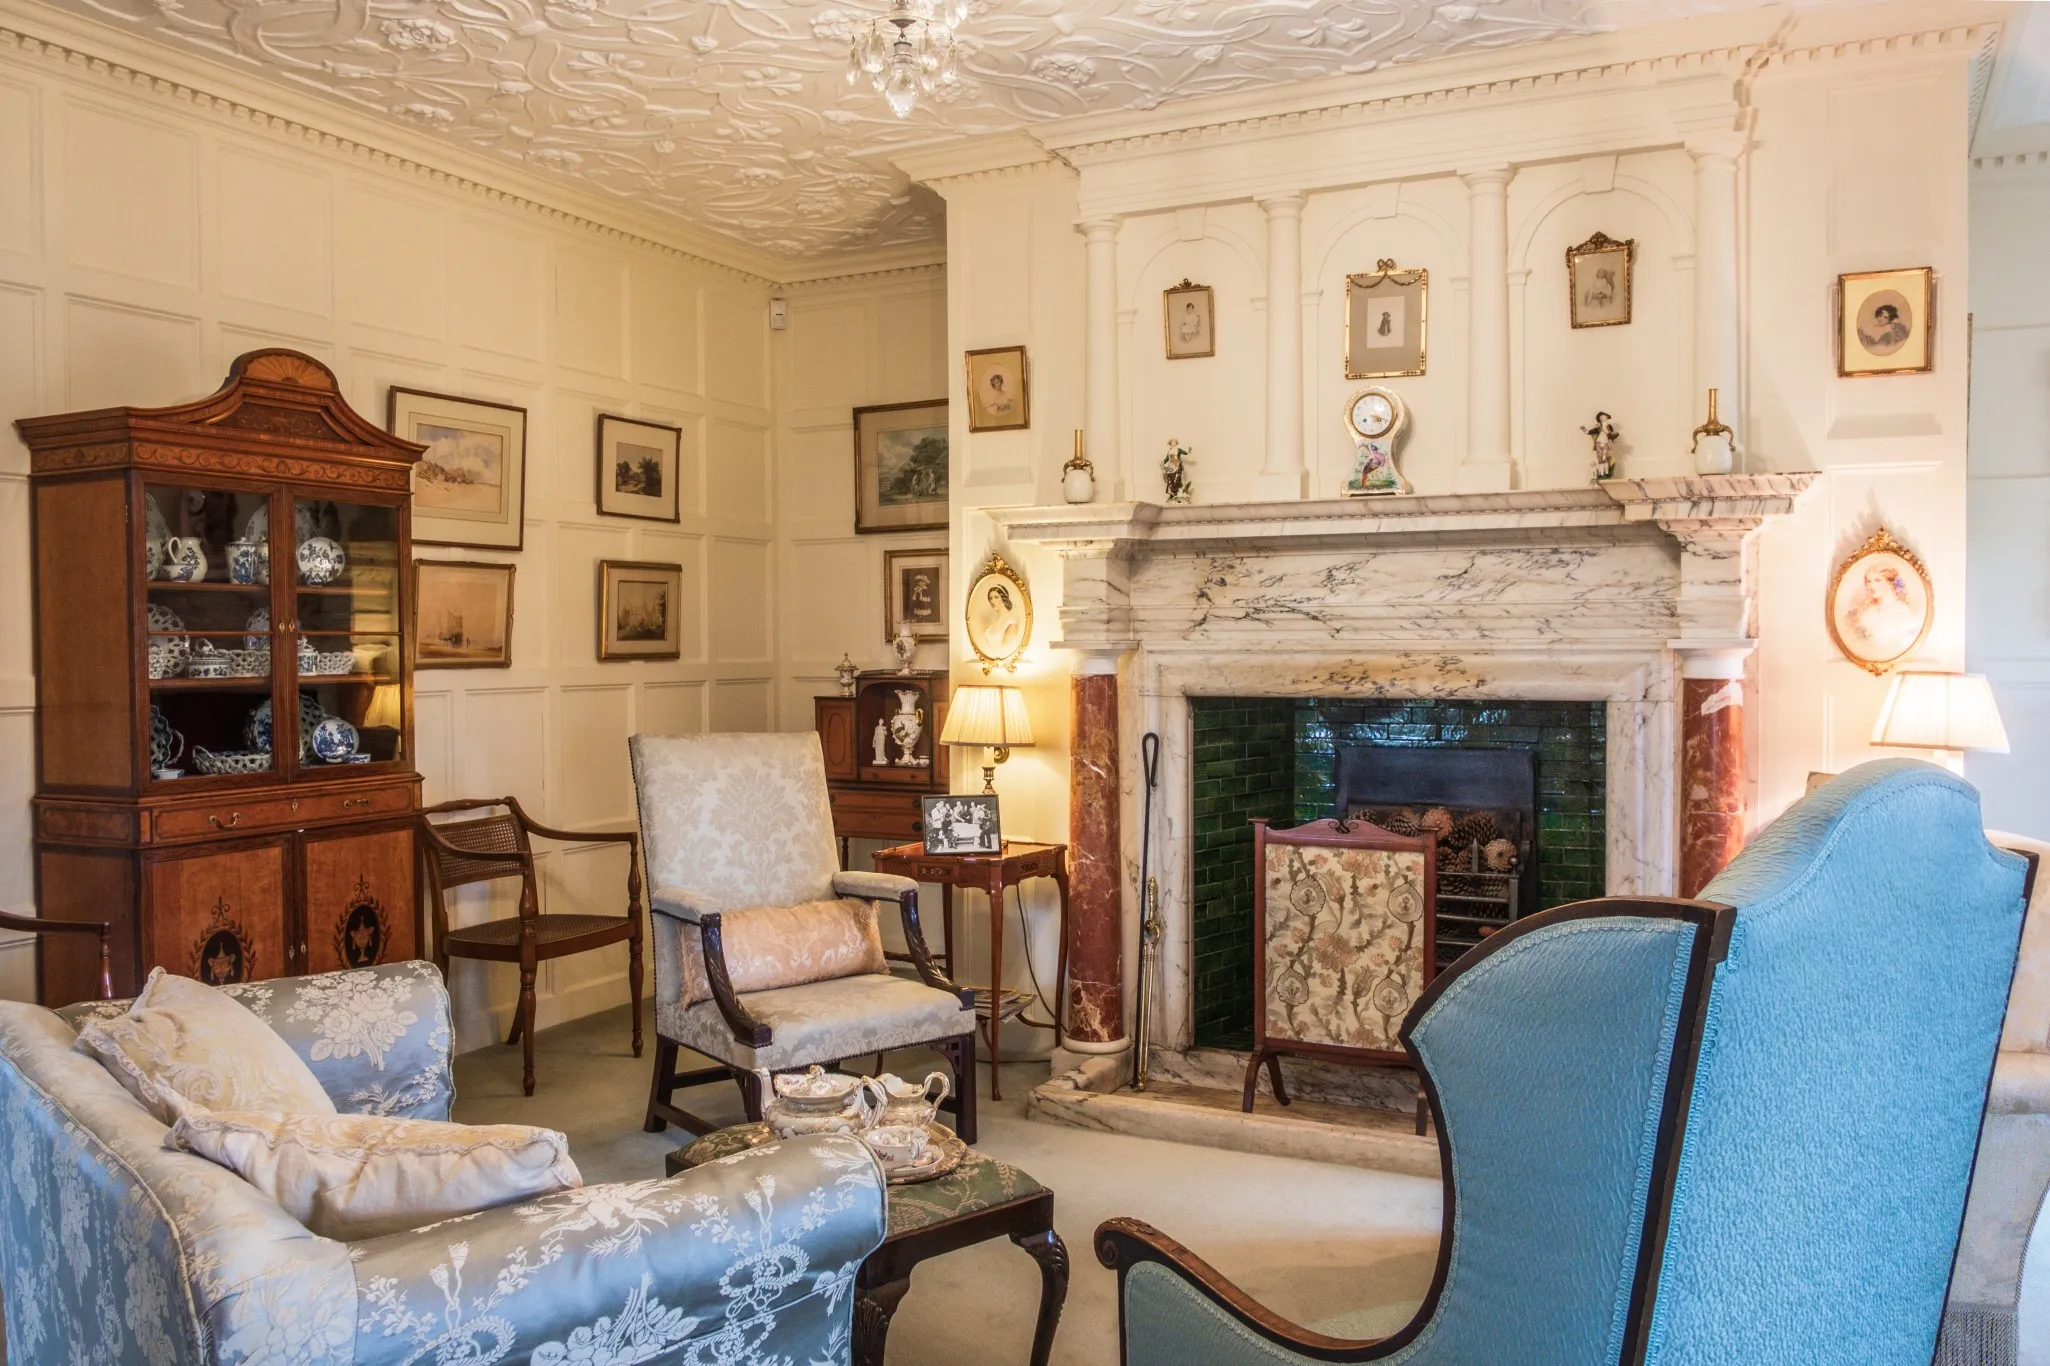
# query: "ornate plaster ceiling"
{"points": [[733, 116]]}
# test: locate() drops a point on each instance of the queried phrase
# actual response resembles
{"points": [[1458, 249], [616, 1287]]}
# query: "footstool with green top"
{"points": [[979, 1200]]}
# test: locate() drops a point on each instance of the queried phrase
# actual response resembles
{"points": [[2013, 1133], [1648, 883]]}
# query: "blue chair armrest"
{"points": [[755, 1253]]}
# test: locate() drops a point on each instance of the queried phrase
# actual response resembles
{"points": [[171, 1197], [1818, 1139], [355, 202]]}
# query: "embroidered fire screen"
{"points": [[1346, 914]]}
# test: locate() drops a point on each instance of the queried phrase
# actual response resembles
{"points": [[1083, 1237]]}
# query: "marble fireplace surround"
{"points": [[1625, 593]]}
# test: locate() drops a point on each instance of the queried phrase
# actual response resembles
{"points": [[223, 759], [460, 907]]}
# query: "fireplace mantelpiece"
{"points": [[1636, 593]]}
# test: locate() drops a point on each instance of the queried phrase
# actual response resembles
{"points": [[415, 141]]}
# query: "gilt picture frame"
{"points": [[915, 591], [999, 382], [1386, 322], [1881, 604], [1886, 323], [1189, 320], [469, 489], [901, 467], [1598, 281], [639, 468], [462, 614], [997, 616], [640, 607]]}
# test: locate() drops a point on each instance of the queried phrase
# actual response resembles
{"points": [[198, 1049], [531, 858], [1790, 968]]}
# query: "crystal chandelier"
{"points": [[908, 51]]}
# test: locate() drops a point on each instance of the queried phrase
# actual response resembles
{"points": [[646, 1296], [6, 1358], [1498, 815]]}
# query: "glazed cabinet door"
{"points": [[360, 898], [221, 914]]}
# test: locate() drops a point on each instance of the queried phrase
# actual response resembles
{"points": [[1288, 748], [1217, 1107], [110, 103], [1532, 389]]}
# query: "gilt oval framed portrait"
{"points": [[1880, 604], [998, 616]]}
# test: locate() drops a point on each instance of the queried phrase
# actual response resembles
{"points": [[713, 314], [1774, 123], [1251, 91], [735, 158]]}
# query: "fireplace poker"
{"points": [[1149, 910]]}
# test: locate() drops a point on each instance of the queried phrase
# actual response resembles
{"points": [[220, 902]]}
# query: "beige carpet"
{"points": [[1309, 1240]]}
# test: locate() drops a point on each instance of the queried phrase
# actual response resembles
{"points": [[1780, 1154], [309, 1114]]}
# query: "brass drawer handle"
{"points": [[234, 819], [355, 801]]}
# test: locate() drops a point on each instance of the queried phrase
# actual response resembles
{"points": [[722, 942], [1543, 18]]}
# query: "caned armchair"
{"points": [[767, 956], [1690, 1133]]}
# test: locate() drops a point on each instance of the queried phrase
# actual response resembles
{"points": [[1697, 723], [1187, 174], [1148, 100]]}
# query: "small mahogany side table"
{"points": [[991, 873]]}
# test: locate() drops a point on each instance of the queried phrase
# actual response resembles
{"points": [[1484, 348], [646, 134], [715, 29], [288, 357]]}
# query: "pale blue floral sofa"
{"points": [[115, 1250]]}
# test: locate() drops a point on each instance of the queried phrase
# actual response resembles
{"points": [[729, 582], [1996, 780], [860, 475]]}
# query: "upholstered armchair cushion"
{"points": [[874, 886], [821, 1021], [785, 946], [739, 820], [377, 1039]]}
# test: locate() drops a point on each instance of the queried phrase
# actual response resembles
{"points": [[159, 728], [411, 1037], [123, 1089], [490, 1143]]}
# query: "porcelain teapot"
{"points": [[820, 1102]]}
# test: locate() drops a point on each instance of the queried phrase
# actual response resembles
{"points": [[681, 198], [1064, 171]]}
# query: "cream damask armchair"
{"points": [[767, 956]]}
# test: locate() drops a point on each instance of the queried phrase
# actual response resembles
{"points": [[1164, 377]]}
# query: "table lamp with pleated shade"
{"points": [[991, 715], [1946, 712]]}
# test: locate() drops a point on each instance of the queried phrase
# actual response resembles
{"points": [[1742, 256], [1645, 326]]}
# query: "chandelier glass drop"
{"points": [[907, 52]]}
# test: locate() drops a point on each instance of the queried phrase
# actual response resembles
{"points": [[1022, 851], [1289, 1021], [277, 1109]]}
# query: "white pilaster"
{"points": [[1715, 279], [1486, 467], [1100, 357], [1283, 474]]}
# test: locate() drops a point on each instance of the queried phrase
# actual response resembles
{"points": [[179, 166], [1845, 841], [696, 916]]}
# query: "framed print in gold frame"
{"points": [[998, 615], [462, 614], [999, 389], [1189, 320], [1880, 605], [640, 610], [915, 592], [1886, 322], [900, 467], [1385, 317], [1598, 281]]}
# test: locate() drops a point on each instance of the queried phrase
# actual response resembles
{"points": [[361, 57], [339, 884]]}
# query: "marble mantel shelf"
{"points": [[1613, 510]]}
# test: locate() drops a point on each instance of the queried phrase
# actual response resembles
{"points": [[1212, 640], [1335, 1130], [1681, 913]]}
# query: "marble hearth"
{"points": [[1634, 594]]}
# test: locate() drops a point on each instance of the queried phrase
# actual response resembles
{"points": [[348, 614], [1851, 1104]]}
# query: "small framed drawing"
{"points": [[639, 464], [1884, 323], [961, 825], [1189, 314], [462, 614], [1598, 280], [915, 591], [999, 390], [470, 487], [900, 467], [1384, 322], [998, 616], [639, 610], [1880, 604]]}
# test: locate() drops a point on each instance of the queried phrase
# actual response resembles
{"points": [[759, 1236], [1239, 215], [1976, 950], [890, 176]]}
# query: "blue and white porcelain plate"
{"points": [[334, 740]]}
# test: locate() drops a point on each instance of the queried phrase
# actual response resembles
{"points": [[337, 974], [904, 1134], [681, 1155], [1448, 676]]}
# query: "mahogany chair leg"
{"points": [[661, 1085], [633, 982], [960, 1055], [750, 1093], [1274, 1071], [524, 1026], [1252, 1080]]}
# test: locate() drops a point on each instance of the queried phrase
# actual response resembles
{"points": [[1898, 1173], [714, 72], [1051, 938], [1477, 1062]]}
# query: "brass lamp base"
{"points": [[997, 754]]}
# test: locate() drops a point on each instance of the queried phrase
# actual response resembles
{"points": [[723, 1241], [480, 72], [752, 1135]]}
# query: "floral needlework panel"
{"points": [[1344, 944]]}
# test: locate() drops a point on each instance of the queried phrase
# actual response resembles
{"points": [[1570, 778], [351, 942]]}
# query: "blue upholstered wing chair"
{"points": [[117, 1251], [1691, 1134]]}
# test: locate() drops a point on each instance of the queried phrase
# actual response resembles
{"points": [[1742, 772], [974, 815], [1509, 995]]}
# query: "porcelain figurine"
{"points": [[1174, 473], [905, 646], [334, 740], [249, 562], [1604, 435], [847, 671], [321, 560], [881, 741], [907, 725], [184, 559]]}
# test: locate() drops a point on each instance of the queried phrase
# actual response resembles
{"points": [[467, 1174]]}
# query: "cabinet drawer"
{"points": [[277, 812], [876, 815]]}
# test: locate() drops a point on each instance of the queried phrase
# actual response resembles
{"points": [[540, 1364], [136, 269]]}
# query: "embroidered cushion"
{"points": [[786, 946], [351, 1177], [184, 1045]]}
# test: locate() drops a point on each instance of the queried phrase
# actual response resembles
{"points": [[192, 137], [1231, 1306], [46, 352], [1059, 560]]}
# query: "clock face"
{"points": [[1372, 414]]}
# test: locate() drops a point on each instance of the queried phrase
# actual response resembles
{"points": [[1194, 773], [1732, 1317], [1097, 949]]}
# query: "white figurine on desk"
{"points": [[882, 741]]}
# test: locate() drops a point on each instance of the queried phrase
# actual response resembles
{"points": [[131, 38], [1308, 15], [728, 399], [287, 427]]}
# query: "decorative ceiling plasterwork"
{"points": [[733, 116]]}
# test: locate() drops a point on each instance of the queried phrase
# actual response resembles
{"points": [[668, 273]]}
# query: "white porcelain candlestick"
{"points": [[1713, 452], [1078, 476]]}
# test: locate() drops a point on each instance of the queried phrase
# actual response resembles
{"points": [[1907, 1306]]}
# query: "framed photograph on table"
{"points": [[1885, 324], [1189, 313], [462, 614], [1598, 281], [999, 390], [915, 591], [639, 610], [1384, 322], [638, 467], [469, 489], [900, 467], [961, 825]]}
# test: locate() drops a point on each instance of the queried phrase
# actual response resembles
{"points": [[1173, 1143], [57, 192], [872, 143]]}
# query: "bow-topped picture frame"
{"points": [[1386, 321]]}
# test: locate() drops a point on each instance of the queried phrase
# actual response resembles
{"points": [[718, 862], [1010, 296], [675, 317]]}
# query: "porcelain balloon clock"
{"points": [[1376, 419]]}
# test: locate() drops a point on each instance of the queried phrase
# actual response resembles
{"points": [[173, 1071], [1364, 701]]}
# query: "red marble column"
{"points": [[1096, 1007], [1711, 778]]}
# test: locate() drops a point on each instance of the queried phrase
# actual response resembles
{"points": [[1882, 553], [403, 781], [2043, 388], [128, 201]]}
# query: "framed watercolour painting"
{"points": [[1884, 323], [999, 390], [1598, 280], [915, 592], [900, 467], [470, 487], [1384, 322], [639, 610], [462, 614], [1880, 605], [1189, 312], [638, 467]]}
